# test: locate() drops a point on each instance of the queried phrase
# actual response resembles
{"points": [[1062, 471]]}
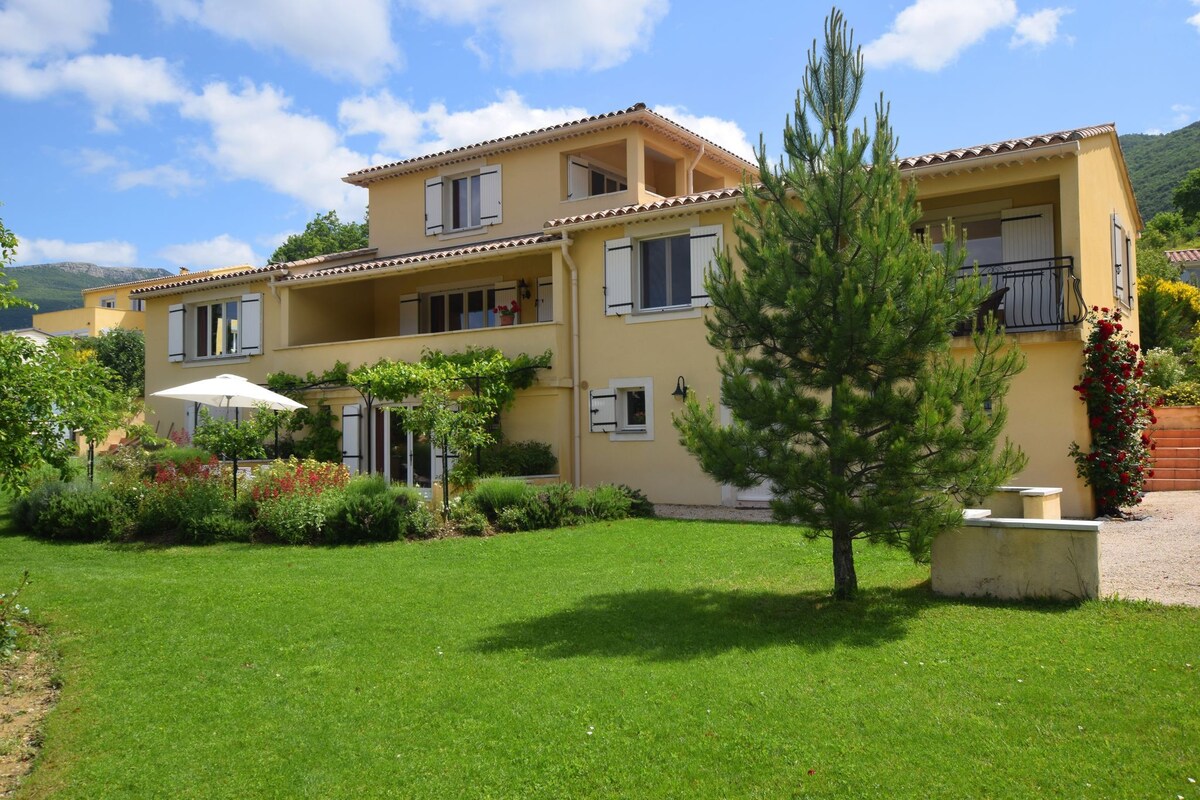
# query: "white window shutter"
{"points": [[603, 404], [545, 300], [352, 437], [175, 316], [578, 179], [251, 325], [410, 314], [1129, 282], [489, 196], [706, 241], [618, 276], [433, 206], [1118, 258]]}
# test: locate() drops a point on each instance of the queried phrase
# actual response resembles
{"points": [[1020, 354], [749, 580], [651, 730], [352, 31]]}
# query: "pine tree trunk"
{"points": [[845, 581]]}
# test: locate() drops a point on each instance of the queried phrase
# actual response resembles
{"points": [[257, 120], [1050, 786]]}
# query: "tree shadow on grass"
{"points": [[678, 625]]}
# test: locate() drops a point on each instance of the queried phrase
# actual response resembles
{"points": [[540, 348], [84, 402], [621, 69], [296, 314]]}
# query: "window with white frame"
{"points": [[661, 273], [591, 179], [137, 304], [463, 202], [624, 410], [108, 302], [1122, 259], [224, 328]]}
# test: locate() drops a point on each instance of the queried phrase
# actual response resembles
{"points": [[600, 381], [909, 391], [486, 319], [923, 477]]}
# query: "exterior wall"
{"points": [[1103, 190], [533, 190], [90, 321]]}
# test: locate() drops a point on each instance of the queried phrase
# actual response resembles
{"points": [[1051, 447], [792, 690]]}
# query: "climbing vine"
{"points": [[1117, 462]]}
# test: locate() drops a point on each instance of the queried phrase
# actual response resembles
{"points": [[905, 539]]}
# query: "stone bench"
{"points": [[1026, 502], [1017, 559]]}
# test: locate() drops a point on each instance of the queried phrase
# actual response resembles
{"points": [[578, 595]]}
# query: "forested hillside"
{"points": [[54, 287], [1157, 163]]}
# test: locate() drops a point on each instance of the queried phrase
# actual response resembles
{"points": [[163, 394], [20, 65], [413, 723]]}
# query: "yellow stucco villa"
{"points": [[600, 230]]}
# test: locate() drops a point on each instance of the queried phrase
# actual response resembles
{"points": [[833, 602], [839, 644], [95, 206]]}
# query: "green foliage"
{"points": [[369, 510], [639, 504], [493, 495], [290, 499], [1168, 313], [1184, 393], [182, 499], [78, 512], [1157, 163], [11, 614], [8, 288], [324, 234], [468, 519], [321, 440], [518, 458], [604, 502], [122, 350], [50, 391], [1117, 460], [552, 506], [228, 438], [834, 342], [296, 518], [1186, 196], [1164, 367]]}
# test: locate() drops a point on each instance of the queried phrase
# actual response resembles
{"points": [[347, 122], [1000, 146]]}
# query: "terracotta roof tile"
{"points": [[1183, 256], [425, 256], [639, 208], [638, 112], [1008, 146], [239, 275]]}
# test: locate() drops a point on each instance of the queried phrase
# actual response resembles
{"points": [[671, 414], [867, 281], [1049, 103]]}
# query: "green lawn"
{"points": [[633, 659]]}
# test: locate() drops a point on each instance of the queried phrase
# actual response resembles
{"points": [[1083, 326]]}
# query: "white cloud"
{"points": [[1195, 19], [220, 251], [1183, 114], [171, 179], [37, 27], [406, 131], [930, 34], [1039, 29], [113, 84], [107, 253], [256, 137], [348, 38], [539, 35], [724, 132]]}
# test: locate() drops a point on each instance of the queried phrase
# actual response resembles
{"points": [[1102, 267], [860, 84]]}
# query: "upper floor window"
{"points": [[665, 273], [137, 304], [108, 302], [660, 274], [590, 179], [463, 202], [224, 328]]}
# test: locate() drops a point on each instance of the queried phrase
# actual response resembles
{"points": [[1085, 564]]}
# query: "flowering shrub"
{"points": [[181, 496], [507, 310], [10, 612], [1117, 463], [308, 477]]}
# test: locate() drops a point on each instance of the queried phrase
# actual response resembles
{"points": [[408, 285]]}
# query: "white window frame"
{"points": [[623, 270], [109, 301], [184, 335], [607, 172], [474, 181], [625, 430], [195, 321], [137, 304], [681, 241], [485, 192]]}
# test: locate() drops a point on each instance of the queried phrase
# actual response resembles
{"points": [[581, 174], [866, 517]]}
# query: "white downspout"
{"points": [[692, 169], [576, 423]]}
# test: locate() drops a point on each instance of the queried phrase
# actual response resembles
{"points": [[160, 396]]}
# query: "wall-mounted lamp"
{"points": [[680, 389], [523, 288]]}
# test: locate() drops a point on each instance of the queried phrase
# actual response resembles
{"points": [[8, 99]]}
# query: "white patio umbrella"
{"points": [[230, 391]]}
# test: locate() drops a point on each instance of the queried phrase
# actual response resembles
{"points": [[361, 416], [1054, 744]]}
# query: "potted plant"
{"points": [[507, 313]]}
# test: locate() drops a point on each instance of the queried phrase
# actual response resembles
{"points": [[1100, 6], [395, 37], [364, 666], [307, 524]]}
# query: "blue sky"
{"points": [[200, 133]]}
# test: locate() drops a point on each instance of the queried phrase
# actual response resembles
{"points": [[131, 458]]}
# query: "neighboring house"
{"points": [[108, 307], [34, 334], [1188, 262], [601, 230]]}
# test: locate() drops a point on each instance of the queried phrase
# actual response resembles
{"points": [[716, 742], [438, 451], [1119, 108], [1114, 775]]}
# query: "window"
{"points": [[590, 179], [108, 302], [625, 410], [665, 273], [137, 304], [460, 310], [216, 329], [1122, 257], [463, 202], [659, 274]]}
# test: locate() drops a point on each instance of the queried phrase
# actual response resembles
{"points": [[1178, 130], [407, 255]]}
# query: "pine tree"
{"points": [[834, 340]]}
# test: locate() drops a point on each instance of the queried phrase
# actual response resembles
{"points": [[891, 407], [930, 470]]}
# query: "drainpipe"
{"points": [[692, 169], [576, 434]]}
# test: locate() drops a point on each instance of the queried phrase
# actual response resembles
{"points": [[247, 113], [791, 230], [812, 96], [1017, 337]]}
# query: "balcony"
{"points": [[1040, 294]]}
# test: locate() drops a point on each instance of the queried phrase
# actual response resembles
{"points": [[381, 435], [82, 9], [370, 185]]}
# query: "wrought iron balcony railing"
{"points": [[1042, 293]]}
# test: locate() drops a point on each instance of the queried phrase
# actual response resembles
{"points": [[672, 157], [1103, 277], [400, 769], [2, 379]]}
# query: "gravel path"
{"points": [[1153, 557], [1156, 557]]}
